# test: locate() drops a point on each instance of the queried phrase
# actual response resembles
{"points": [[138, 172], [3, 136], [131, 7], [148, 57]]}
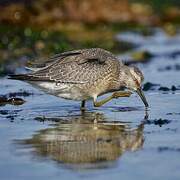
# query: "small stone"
{"points": [[163, 89], [3, 100], [173, 88], [16, 101], [148, 86]]}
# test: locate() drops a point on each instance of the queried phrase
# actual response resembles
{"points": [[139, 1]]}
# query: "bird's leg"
{"points": [[83, 105], [121, 94], [114, 95]]}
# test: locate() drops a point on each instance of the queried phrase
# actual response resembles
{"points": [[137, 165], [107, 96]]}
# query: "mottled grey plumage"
{"points": [[84, 74]]}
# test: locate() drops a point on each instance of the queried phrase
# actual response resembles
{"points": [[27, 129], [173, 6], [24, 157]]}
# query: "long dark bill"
{"points": [[142, 96]]}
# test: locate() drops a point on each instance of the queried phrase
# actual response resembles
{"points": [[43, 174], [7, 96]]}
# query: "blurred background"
{"points": [[44, 136], [31, 29]]}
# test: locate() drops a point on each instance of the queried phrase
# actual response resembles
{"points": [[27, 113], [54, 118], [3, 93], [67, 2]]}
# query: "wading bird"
{"points": [[86, 74]]}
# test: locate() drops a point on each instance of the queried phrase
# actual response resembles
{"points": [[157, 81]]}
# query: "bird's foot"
{"points": [[83, 106]]}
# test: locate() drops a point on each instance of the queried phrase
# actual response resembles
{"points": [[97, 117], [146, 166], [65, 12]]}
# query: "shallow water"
{"points": [[49, 138]]}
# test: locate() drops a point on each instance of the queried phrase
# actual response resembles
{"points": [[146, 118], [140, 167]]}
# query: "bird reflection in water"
{"points": [[86, 141]]}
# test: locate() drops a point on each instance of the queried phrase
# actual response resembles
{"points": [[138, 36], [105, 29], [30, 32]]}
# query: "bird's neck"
{"points": [[123, 76]]}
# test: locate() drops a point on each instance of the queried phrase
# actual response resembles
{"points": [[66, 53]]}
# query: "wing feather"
{"points": [[72, 66]]}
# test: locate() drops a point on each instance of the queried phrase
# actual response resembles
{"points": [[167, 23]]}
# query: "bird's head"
{"points": [[133, 81]]}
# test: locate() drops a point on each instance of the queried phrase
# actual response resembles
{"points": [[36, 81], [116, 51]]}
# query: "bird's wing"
{"points": [[45, 62], [84, 55], [72, 66]]}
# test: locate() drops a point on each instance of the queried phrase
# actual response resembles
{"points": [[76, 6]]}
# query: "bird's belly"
{"points": [[64, 90]]}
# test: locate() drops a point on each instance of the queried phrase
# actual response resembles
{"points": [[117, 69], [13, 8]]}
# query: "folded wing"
{"points": [[70, 67]]}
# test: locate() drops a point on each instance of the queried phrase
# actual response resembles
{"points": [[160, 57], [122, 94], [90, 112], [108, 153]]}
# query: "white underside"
{"points": [[67, 91]]}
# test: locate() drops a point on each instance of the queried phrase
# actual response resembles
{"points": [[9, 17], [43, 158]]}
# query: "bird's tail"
{"points": [[19, 77]]}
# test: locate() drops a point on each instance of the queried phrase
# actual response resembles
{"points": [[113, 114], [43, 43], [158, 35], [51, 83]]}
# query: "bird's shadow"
{"points": [[83, 141]]}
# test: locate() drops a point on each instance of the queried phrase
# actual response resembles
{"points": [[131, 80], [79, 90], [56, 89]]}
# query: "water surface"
{"points": [[49, 138]]}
